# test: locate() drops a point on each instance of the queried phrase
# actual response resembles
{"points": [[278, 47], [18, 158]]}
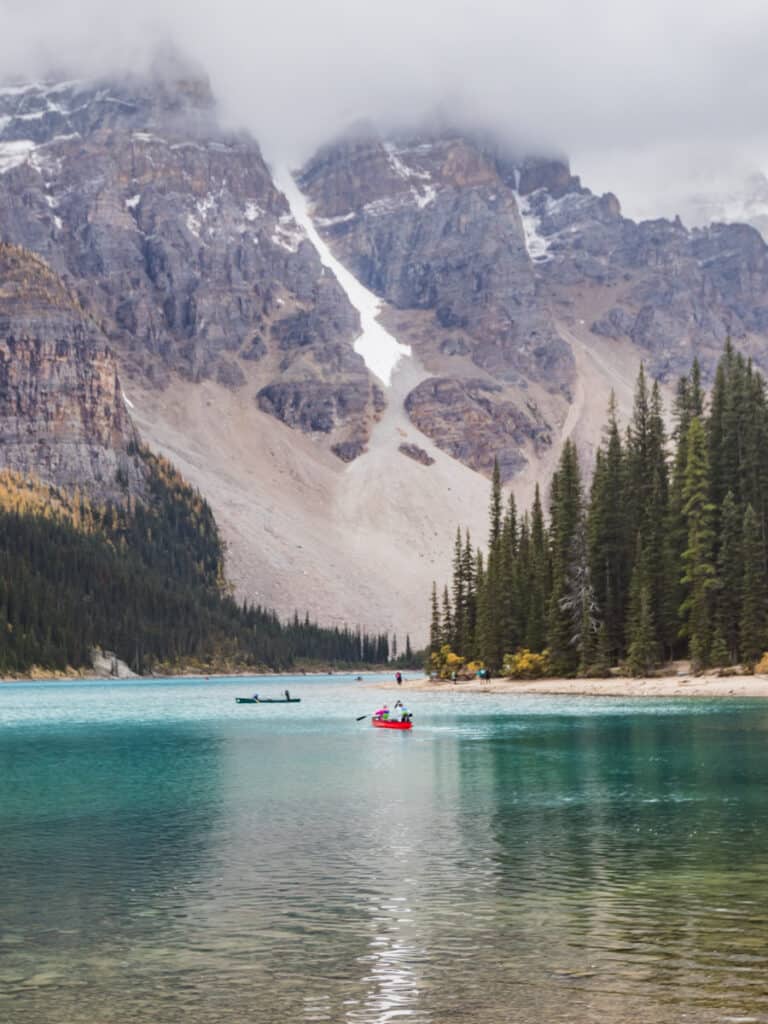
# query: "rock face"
{"points": [[175, 239], [673, 293], [413, 451], [462, 414], [62, 415], [431, 226], [489, 259]]}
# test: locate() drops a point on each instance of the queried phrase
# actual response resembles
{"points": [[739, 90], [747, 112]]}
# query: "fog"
{"points": [[650, 101]]}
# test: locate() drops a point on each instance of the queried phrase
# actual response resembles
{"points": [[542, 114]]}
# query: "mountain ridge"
{"points": [[525, 299]]}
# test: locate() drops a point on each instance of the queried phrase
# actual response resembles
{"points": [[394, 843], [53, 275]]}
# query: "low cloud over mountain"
{"points": [[609, 83]]}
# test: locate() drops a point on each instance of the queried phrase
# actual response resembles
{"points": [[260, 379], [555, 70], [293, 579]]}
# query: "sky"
{"points": [[650, 100]]}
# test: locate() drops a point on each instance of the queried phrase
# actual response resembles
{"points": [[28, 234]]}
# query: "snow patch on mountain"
{"points": [[253, 211], [422, 192], [288, 233], [14, 154], [329, 222], [536, 243], [380, 350]]}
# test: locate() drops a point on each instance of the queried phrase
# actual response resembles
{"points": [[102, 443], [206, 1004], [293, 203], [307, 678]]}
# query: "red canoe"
{"points": [[382, 723]]}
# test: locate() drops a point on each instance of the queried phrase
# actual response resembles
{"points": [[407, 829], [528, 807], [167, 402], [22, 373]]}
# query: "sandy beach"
{"points": [[660, 686]]}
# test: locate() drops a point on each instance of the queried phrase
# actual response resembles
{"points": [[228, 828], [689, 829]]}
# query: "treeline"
{"points": [[144, 580], [337, 646], [665, 556]]}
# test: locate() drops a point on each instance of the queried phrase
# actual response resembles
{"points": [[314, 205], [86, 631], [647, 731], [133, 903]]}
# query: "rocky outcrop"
{"points": [[174, 236], [473, 422], [413, 451], [62, 414]]}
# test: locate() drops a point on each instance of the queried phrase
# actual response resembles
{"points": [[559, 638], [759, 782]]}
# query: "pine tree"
{"points": [[565, 524], [540, 584], [642, 643], [446, 628], [608, 537], [458, 639], [601, 666], [470, 587], [435, 637], [641, 656], [510, 615], [495, 509], [646, 503], [719, 655], [752, 621], [730, 571], [481, 615], [689, 402], [699, 571]]}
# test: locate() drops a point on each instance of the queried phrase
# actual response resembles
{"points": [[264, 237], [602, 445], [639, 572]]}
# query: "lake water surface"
{"points": [[168, 855]]}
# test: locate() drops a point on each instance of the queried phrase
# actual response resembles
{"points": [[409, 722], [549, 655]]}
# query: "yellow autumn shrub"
{"points": [[525, 664], [445, 662]]}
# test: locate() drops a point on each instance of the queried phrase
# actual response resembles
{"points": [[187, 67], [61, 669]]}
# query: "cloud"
{"points": [[622, 87]]}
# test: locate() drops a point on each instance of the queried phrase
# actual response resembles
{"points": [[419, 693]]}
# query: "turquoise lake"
{"points": [[168, 855]]}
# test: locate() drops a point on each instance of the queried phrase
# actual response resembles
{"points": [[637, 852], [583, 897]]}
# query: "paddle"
{"points": [[360, 718]]}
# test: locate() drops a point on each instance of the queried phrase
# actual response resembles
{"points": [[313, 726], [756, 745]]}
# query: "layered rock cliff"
{"points": [[62, 414]]}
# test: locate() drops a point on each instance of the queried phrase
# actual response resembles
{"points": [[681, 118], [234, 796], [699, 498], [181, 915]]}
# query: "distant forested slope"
{"points": [[142, 579]]}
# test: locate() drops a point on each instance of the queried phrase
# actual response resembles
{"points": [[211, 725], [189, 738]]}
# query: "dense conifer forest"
{"points": [[144, 580], [663, 557]]}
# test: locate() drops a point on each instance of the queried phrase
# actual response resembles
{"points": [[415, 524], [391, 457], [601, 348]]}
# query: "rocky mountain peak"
{"points": [[176, 238]]}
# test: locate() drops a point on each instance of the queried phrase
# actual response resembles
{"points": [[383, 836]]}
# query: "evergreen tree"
{"points": [[470, 587], [752, 621], [435, 637], [459, 639], [481, 596], [689, 403], [536, 619], [608, 537], [642, 645], [563, 620], [646, 503], [446, 628], [730, 571], [510, 614], [698, 558], [495, 511]]}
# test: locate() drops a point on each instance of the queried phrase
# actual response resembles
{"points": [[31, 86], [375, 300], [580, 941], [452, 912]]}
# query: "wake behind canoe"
{"points": [[268, 700]]}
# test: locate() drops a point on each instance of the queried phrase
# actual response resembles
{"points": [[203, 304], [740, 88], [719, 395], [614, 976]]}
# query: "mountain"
{"points": [[174, 235], [234, 322], [492, 263]]}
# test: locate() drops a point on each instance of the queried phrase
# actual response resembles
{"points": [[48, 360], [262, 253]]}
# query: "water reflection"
{"points": [[631, 849], [547, 864]]}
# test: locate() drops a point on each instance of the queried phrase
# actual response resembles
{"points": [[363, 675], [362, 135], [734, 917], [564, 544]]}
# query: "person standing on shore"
{"points": [[399, 678]]}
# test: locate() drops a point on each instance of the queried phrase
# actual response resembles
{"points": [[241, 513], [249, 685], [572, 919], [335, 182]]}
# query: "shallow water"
{"points": [[169, 855]]}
